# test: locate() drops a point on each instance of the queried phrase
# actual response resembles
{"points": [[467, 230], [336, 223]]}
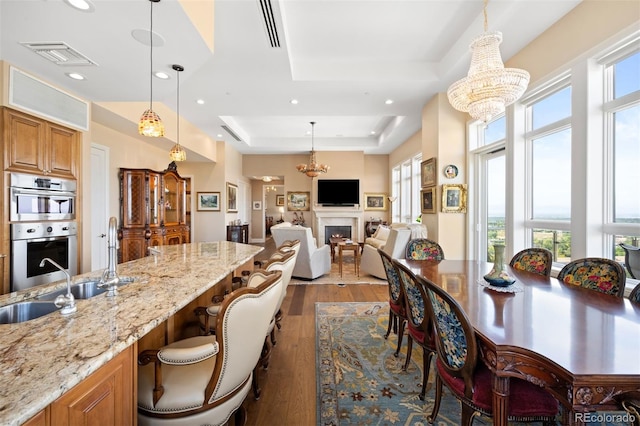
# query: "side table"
{"points": [[353, 246]]}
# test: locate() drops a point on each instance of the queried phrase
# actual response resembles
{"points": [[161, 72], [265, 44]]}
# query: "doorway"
{"points": [[99, 205]]}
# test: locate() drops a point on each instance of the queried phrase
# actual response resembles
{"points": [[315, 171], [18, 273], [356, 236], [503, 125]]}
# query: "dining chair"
{"points": [[397, 310], [205, 379], [469, 380], [595, 273], [534, 259], [632, 260], [424, 249], [419, 326], [634, 296]]}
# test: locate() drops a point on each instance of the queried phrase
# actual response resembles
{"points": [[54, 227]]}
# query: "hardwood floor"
{"points": [[289, 384]]}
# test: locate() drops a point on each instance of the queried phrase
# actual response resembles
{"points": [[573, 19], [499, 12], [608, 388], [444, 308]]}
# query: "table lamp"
{"points": [[281, 210]]}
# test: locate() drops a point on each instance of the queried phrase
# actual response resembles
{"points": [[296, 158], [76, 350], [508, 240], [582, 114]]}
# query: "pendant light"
{"points": [[488, 87], [150, 123], [312, 169], [178, 153]]}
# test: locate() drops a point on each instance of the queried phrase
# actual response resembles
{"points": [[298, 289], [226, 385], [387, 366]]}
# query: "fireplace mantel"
{"points": [[337, 216]]}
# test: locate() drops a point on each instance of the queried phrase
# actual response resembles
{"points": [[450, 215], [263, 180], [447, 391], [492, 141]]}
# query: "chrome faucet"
{"points": [[66, 302], [110, 277]]}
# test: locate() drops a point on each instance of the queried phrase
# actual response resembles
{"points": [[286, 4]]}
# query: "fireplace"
{"points": [[338, 217], [345, 231]]}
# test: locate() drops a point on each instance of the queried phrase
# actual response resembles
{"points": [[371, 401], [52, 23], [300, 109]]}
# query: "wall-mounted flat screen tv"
{"points": [[338, 192]]}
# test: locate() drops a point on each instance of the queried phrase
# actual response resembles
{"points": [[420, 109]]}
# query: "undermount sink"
{"points": [[83, 289], [25, 311]]}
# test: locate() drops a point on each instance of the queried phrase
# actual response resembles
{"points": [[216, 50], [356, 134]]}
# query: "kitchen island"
{"points": [[41, 359]]}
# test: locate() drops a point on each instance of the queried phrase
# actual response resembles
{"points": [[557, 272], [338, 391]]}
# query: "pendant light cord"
{"points": [[486, 23], [178, 105], [312, 133], [151, 59]]}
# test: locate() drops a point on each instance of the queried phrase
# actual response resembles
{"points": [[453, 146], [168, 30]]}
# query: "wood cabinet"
{"points": [[106, 398], [238, 233], [152, 210], [37, 146]]}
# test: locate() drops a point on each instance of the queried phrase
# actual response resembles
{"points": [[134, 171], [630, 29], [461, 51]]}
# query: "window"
{"points": [[405, 185]]}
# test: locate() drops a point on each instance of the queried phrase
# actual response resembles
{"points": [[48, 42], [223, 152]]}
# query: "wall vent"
{"points": [[231, 132], [269, 22], [59, 53], [36, 96]]}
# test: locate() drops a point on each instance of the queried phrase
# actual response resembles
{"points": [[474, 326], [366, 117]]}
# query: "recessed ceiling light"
{"points": [[219, 135], [373, 132], [83, 5], [200, 101], [294, 102], [388, 101], [162, 75], [75, 76]]}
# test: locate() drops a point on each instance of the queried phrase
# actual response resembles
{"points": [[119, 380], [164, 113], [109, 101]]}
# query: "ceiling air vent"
{"points": [[231, 132], [269, 22], [59, 53]]}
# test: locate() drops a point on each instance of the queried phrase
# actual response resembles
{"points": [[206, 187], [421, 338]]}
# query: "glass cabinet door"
{"points": [[174, 199], [155, 200]]}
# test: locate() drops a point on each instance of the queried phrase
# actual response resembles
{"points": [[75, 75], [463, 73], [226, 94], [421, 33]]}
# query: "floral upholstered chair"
{"points": [[419, 325], [534, 259], [595, 273], [468, 379], [397, 310], [424, 249], [634, 296]]}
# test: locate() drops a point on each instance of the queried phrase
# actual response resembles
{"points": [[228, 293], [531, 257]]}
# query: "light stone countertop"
{"points": [[43, 358]]}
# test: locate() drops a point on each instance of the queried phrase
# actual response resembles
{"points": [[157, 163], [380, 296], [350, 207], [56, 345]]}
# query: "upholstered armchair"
{"points": [[205, 379], [536, 260], [424, 249], [313, 261], [394, 246], [595, 273]]}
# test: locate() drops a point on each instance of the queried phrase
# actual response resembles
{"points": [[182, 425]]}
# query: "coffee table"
{"points": [[333, 242]]}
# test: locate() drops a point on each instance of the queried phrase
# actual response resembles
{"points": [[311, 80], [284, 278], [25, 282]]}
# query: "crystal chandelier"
{"points": [[150, 123], [178, 153], [488, 87], [312, 169]]}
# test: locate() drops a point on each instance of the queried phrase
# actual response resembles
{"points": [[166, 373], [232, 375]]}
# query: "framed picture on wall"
{"points": [[279, 200], [454, 198], [428, 172], [428, 197], [257, 205], [298, 201], [232, 198], [375, 201], [208, 201]]}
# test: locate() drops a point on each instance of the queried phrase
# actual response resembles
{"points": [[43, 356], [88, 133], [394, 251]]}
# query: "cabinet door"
{"points": [[40, 419], [24, 142], [174, 192], [133, 195], [155, 199], [133, 244], [62, 151], [104, 398]]}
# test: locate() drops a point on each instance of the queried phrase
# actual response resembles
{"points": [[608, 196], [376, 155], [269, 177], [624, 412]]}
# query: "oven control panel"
{"points": [[31, 230]]}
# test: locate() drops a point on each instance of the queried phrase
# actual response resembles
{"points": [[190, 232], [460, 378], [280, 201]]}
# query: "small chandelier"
{"points": [[150, 123], [312, 169], [178, 153], [488, 87]]}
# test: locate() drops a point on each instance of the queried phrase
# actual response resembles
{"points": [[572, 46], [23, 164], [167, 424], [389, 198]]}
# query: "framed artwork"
{"points": [[279, 200], [428, 172], [450, 171], [454, 198], [298, 201], [375, 201], [208, 201], [232, 198], [428, 198], [257, 205]]}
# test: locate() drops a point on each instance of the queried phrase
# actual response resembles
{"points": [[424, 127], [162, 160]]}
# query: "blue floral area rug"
{"points": [[360, 382]]}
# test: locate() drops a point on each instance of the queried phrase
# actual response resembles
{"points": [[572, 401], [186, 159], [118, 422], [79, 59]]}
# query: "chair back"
{"points": [[242, 323], [424, 249], [284, 262], [634, 296], [396, 243], [396, 296], [415, 300], [455, 337], [535, 259], [595, 273], [632, 260], [301, 233]]}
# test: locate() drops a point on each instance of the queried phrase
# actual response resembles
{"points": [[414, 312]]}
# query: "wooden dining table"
{"points": [[581, 345]]}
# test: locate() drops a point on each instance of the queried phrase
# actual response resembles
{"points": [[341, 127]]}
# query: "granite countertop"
{"points": [[43, 358]]}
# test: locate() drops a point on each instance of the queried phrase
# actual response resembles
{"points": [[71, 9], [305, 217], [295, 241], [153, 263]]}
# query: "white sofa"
{"points": [[312, 261], [394, 245]]}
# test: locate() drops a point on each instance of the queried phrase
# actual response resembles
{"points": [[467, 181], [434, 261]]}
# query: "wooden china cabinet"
{"points": [[152, 211]]}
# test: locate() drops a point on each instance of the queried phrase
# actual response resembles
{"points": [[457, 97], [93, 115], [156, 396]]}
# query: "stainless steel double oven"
{"points": [[43, 213]]}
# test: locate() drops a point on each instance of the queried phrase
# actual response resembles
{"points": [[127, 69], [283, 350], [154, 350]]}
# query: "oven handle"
{"points": [[42, 240], [21, 191]]}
